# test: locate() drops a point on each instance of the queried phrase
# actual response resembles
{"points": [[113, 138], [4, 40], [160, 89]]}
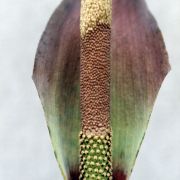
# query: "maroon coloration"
{"points": [[59, 51], [119, 175], [74, 175], [138, 51]]}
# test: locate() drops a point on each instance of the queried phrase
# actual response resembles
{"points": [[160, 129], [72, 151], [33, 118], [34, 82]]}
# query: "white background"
{"points": [[25, 149]]}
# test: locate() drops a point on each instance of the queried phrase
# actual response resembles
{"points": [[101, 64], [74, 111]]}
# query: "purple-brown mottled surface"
{"points": [[95, 80]]}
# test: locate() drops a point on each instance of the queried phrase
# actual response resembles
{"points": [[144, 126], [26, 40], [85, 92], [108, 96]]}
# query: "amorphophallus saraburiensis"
{"points": [[98, 69]]}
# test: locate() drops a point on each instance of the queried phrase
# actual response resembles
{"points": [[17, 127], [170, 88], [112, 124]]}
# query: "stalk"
{"points": [[95, 136]]}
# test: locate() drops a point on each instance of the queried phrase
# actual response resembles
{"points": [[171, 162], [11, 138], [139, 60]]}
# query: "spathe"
{"points": [[138, 66]]}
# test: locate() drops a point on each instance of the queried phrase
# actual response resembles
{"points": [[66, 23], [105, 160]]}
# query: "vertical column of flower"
{"points": [[95, 137]]}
